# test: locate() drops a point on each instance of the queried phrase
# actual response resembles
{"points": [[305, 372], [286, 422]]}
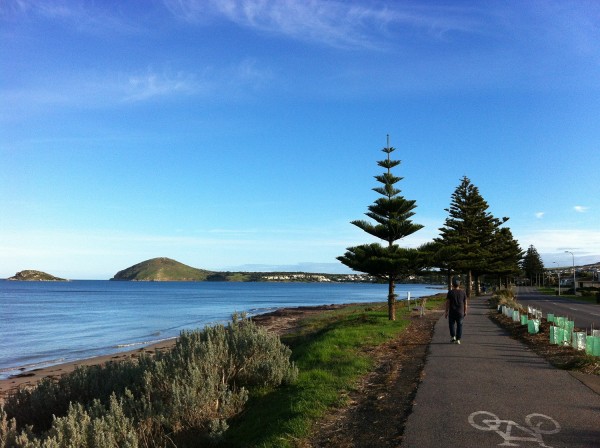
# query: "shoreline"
{"points": [[30, 378], [280, 321]]}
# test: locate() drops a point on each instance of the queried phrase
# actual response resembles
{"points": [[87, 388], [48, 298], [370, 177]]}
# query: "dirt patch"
{"points": [[375, 413], [288, 320]]}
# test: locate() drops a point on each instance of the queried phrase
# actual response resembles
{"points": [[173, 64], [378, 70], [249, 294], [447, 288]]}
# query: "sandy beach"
{"points": [[278, 321]]}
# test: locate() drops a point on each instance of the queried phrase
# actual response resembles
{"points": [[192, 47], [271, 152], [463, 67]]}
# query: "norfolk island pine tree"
{"points": [[391, 213], [532, 265], [506, 258], [471, 231]]}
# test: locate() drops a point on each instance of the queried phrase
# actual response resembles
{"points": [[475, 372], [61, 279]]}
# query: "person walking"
{"points": [[456, 310]]}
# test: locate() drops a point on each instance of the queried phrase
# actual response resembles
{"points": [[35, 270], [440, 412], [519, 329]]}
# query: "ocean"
{"points": [[48, 323]]}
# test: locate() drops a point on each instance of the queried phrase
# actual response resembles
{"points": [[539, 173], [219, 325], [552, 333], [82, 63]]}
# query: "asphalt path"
{"points": [[493, 391], [584, 314]]}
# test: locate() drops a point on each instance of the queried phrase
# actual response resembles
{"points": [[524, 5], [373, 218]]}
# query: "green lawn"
{"points": [[330, 353], [554, 292]]}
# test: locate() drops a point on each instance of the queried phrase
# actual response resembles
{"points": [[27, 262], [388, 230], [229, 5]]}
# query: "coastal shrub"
{"points": [[8, 430], [50, 398], [204, 379], [97, 427], [504, 297], [187, 393]]}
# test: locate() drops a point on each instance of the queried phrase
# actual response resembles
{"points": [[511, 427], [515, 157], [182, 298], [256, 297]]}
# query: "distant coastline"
{"points": [[164, 269], [167, 270]]}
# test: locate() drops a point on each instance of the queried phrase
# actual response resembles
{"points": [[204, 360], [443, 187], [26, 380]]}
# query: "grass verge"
{"points": [[331, 354], [591, 298]]}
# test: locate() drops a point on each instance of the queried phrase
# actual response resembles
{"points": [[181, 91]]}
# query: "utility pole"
{"points": [[558, 273], [574, 284]]}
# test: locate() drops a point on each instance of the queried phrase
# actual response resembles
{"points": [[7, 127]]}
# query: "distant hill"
{"points": [[35, 276], [162, 270], [168, 270]]}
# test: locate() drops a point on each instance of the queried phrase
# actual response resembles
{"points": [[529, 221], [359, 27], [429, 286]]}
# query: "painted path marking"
{"points": [[537, 424]]}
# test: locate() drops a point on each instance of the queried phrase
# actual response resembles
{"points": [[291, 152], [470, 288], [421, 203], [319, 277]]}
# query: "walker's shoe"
{"points": [[453, 341], [458, 341]]}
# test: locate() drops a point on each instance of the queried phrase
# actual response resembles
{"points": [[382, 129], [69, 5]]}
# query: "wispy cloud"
{"points": [[99, 90], [151, 84], [550, 241], [251, 72], [49, 9], [335, 23], [539, 215], [580, 209], [85, 17]]}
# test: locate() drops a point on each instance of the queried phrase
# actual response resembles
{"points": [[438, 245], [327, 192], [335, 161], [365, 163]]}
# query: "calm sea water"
{"points": [[46, 323]]}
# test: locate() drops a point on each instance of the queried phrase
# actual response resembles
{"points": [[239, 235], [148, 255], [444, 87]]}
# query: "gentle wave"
{"points": [[48, 324], [143, 343], [10, 371]]}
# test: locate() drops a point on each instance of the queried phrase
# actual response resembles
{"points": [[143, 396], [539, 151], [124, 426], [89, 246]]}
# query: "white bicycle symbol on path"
{"points": [[537, 424]]}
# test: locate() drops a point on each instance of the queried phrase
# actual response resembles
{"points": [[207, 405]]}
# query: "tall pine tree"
{"points": [[469, 231], [506, 256], [442, 256], [391, 213], [532, 265]]}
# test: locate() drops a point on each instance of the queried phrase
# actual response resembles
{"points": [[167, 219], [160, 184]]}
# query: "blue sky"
{"points": [[245, 134]]}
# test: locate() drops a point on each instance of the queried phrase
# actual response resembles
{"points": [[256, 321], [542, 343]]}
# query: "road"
{"points": [[492, 391], [584, 314]]}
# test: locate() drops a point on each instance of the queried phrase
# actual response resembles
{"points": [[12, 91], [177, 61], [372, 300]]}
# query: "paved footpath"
{"points": [[493, 391]]}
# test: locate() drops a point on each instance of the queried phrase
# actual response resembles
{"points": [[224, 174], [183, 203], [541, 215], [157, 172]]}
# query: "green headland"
{"points": [[164, 269]]}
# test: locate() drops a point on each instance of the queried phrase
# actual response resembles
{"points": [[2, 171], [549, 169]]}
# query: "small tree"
{"points": [[391, 213]]}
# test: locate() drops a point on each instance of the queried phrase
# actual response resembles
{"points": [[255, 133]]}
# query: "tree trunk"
{"points": [[391, 300], [468, 285]]}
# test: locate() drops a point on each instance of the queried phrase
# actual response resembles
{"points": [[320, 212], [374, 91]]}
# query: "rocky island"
{"points": [[35, 276]]}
